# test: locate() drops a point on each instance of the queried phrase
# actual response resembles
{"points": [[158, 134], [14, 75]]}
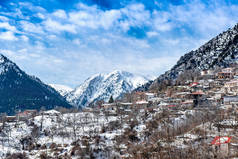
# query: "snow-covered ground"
{"points": [[99, 134]]}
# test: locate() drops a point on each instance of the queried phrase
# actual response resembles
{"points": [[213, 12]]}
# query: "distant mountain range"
{"points": [[103, 86], [220, 51], [19, 91]]}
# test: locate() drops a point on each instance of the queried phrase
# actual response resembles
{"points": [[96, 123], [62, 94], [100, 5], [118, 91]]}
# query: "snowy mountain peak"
{"points": [[62, 89], [102, 86]]}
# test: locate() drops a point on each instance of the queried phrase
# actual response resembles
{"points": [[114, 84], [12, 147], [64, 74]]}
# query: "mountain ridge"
{"points": [[220, 51], [20, 91]]}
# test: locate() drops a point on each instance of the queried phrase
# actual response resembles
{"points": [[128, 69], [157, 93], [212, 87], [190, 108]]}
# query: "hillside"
{"points": [[19, 91], [220, 51]]}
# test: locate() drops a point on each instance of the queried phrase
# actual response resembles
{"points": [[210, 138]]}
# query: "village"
{"points": [[174, 120], [213, 89]]}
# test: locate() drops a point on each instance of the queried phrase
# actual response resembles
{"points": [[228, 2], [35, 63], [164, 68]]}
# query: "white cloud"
{"points": [[8, 35], [152, 34], [136, 15], [161, 22], [55, 26], [94, 18], [40, 15], [31, 28], [24, 38], [7, 26], [76, 41], [204, 19], [60, 14], [109, 19], [3, 18]]}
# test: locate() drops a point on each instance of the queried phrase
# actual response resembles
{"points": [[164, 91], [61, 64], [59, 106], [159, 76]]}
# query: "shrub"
{"points": [[17, 156], [43, 155]]}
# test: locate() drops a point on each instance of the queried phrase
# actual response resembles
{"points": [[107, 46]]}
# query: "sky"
{"points": [[67, 41]]}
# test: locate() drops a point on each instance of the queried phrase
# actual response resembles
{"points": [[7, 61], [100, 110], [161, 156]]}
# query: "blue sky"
{"points": [[66, 41]]}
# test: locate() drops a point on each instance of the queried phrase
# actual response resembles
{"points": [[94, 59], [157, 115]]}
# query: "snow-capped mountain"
{"points": [[19, 91], [62, 89], [220, 51], [102, 86]]}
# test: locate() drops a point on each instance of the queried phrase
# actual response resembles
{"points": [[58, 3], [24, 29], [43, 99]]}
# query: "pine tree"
{"points": [[111, 100]]}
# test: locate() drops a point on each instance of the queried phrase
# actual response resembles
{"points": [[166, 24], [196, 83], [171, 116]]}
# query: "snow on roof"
{"points": [[142, 102], [52, 112], [219, 92], [232, 81], [108, 104], [163, 104], [126, 103], [182, 93], [187, 102], [149, 94], [228, 70], [218, 140]]}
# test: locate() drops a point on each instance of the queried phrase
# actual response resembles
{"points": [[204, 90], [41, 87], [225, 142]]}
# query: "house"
{"points": [[229, 70], [181, 95], [165, 105], [149, 96], [172, 101], [221, 144], [229, 100], [11, 118], [26, 114], [138, 96], [125, 105], [207, 72], [232, 86], [155, 100], [218, 95], [197, 97], [187, 103], [111, 107], [194, 84], [216, 83], [142, 104], [226, 73], [52, 113]]}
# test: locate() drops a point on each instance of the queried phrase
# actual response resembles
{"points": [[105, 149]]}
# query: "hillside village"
{"points": [[192, 117], [125, 79]]}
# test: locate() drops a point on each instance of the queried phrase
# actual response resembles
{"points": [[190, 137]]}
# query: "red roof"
{"points": [[140, 93], [194, 84], [218, 140], [198, 93]]}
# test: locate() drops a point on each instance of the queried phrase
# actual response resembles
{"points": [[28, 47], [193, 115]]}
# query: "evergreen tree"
{"points": [[111, 100]]}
